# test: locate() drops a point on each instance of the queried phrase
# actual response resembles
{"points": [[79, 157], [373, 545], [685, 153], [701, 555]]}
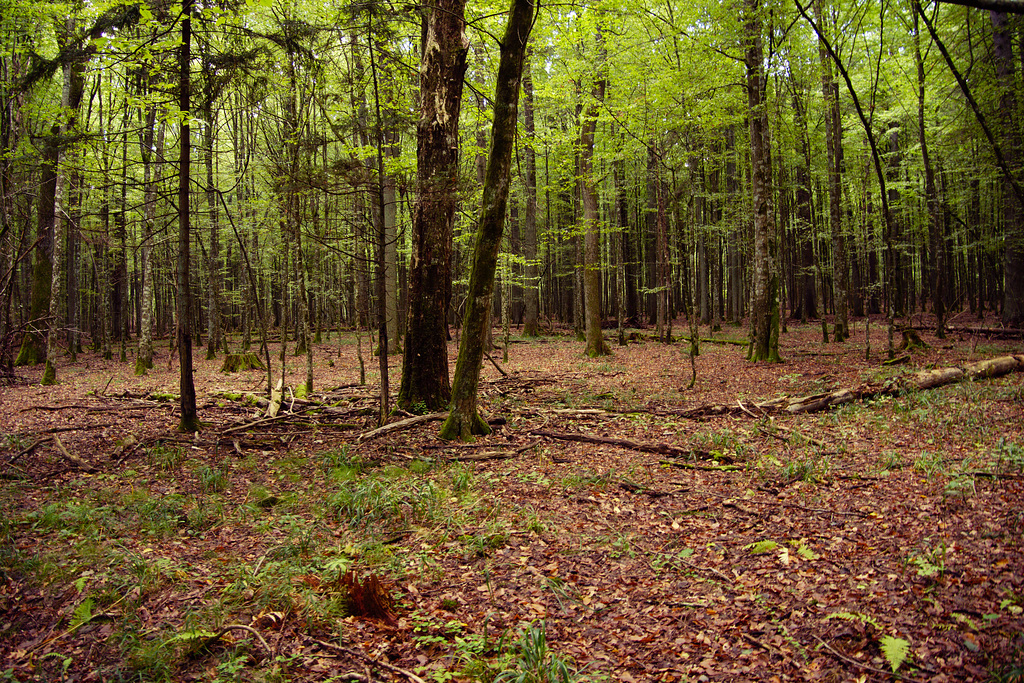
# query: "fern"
{"points": [[895, 650], [761, 547], [855, 616]]}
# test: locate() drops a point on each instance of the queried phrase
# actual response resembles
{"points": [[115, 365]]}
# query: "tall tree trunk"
{"points": [[531, 288], [936, 241], [187, 403], [1013, 240], [214, 265], [463, 421], [596, 345], [152, 166], [764, 310], [834, 152], [425, 383], [56, 308]]}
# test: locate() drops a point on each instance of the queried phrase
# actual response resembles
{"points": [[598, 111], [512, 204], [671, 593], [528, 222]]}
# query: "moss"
{"points": [[49, 375], [141, 366]]}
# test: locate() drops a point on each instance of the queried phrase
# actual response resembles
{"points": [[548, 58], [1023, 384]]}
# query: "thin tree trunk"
{"points": [[463, 421], [531, 287], [834, 151], [187, 403], [596, 345], [764, 310]]}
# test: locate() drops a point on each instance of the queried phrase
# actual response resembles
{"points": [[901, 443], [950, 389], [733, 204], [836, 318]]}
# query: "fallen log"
{"points": [[401, 424], [659, 448], [919, 381], [73, 459]]}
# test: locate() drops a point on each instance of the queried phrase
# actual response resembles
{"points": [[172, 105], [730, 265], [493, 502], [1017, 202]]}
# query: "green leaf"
{"points": [[895, 650], [83, 613], [762, 547], [854, 616], [191, 634], [804, 552]]}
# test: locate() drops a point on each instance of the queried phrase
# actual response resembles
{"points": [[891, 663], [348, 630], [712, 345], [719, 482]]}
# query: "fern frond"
{"points": [[895, 650]]}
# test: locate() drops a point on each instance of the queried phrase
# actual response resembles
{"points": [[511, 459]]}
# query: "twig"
{"points": [[78, 462], [240, 627], [28, 449], [862, 665], [496, 455], [496, 366], [376, 662], [401, 424], [706, 468], [792, 505]]}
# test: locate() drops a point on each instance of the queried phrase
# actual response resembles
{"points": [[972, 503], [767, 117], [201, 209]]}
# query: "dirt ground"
{"points": [[647, 530]]}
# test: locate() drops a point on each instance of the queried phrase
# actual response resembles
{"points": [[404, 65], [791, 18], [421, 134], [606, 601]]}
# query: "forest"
{"points": [[448, 341]]}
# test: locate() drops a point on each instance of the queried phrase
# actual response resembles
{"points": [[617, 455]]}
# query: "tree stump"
{"points": [[239, 362], [911, 340]]}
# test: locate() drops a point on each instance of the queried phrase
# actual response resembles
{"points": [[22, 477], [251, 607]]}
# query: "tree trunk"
{"points": [[425, 385], [531, 287], [187, 402], [214, 286], [152, 160], [764, 310], [596, 345], [834, 149], [936, 241], [54, 317], [463, 420], [1013, 246]]}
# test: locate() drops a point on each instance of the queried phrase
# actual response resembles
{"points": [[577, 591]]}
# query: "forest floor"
{"points": [[726, 544]]}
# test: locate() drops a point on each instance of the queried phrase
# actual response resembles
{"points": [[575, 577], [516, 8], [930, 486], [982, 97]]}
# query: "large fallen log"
{"points": [[919, 381]]}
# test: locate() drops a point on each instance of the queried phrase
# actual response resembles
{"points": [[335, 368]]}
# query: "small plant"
{"points": [[165, 457], [929, 563], [890, 460], [1009, 456], [536, 663], [930, 463], [895, 650], [960, 486], [212, 479]]}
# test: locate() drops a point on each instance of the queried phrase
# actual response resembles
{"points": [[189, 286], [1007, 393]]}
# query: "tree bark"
{"points": [[834, 150], [425, 384], [596, 345], [764, 310], [463, 420], [189, 421], [531, 287], [1013, 210]]}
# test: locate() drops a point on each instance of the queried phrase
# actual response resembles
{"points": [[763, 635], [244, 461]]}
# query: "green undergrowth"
{"points": [[252, 538]]}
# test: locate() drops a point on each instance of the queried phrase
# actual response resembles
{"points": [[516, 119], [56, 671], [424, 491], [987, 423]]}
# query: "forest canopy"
{"points": [[744, 161]]}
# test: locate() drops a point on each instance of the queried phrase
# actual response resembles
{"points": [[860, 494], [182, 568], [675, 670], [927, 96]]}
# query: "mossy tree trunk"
{"points": [[463, 421]]}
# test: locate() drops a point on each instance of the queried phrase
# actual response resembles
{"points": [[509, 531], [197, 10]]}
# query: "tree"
{"points": [[425, 384], [596, 345], [764, 313], [531, 289], [463, 421], [189, 421]]}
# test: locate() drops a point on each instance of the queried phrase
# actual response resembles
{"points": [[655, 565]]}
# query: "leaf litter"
{"points": [[873, 538]]}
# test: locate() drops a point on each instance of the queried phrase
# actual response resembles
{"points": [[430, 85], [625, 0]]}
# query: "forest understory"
{"points": [[617, 525]]}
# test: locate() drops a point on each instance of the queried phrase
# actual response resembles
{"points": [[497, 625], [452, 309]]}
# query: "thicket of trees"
{"points": [[749, 160]]}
